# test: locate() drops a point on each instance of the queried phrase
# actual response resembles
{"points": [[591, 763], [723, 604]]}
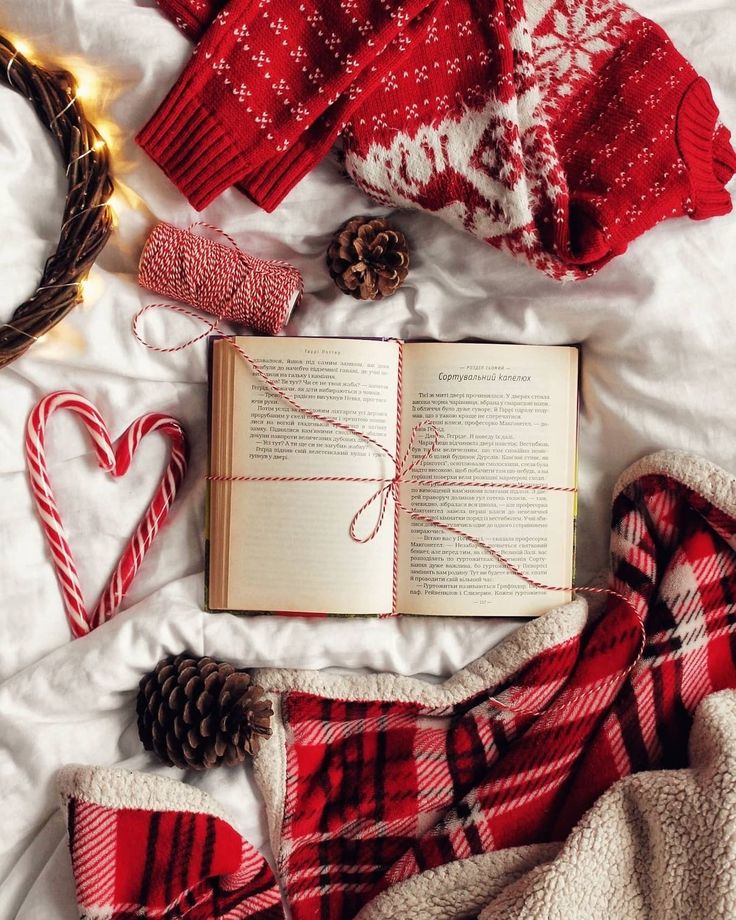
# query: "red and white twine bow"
{"points": [[116, 460], [223, 281]]}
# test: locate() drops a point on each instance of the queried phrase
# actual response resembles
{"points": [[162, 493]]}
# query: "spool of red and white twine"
{"points": [[114, 459], [222, 281]]}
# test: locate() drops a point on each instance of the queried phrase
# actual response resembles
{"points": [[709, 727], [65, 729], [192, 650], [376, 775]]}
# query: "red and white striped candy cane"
{"points": [[115, 460]]}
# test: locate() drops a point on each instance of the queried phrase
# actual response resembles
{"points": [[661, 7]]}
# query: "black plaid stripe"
{"points": [[362, 762], [547, 743], [150, 856], [466, 756], [173, 859], [379, 784], [208, 849], [71, 821], [672, 721], [190, 825]]}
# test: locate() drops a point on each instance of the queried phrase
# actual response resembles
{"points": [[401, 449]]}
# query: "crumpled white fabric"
{"points": [[657, 330]]}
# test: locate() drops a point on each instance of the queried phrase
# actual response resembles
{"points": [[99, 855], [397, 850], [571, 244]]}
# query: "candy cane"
{"points": [[116, 461]]}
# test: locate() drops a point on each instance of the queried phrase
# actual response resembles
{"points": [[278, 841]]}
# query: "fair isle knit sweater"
{"points": [[559, 130]]}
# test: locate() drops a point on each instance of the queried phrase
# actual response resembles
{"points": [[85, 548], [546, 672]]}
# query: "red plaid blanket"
{"points": [[370, 780], [386, 777]]}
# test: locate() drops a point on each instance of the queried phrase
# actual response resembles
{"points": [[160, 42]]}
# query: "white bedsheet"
{"points": [[659, 366]]}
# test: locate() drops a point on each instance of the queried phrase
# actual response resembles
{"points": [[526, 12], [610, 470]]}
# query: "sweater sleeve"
{"points": [[641, 144], [270, 87], [192, 18]]}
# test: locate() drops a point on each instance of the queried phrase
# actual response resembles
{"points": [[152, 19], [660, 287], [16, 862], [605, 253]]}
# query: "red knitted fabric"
{"points": [[597, 130], [269, 89], [559, 130]]}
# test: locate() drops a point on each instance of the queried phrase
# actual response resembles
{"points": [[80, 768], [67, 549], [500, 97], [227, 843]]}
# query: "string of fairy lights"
{"points": [[88, 218]]}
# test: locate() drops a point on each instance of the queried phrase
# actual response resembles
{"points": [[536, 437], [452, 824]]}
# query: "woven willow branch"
{"points": [[87, 220]]}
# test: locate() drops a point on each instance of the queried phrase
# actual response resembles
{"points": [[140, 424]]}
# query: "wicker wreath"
{"points": [[87, 220]]}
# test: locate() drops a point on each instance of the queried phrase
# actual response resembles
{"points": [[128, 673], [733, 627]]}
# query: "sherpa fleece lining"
{"points": [[122, 789]]}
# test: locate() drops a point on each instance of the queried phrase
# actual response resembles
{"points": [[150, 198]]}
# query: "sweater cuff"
{"points": [[198, 155], [272, 181], [706, 148], [191, 147]]}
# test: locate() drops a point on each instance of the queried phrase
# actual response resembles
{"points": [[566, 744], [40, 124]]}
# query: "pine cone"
{"points": [[200, 713], [368, 258]]}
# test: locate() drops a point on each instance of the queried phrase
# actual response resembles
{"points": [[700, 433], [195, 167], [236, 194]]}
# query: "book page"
{"points": [[506, 413], [289, 545]]}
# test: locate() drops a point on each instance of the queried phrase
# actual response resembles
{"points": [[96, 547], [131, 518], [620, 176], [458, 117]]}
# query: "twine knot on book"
{"points": [[391, 487]]}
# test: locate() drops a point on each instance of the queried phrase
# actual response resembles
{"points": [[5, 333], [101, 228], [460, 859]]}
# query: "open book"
{"points": [[505, 413]]}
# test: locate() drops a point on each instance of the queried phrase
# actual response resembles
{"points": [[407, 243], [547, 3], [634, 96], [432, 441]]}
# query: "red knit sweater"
{"points": [[557, 129]]}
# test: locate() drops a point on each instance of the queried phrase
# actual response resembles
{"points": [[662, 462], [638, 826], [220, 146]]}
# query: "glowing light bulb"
{"points": [[90, 289], [86, 88], [114, 203], [99, 144], [23, 47], [109, 132]]}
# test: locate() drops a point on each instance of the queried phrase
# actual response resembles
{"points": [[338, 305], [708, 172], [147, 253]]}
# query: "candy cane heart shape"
{"points": [[116, 460]]}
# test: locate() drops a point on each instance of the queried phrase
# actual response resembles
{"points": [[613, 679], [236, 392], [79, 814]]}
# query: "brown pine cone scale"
{"points": [[368, 258], [200, 713]]}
